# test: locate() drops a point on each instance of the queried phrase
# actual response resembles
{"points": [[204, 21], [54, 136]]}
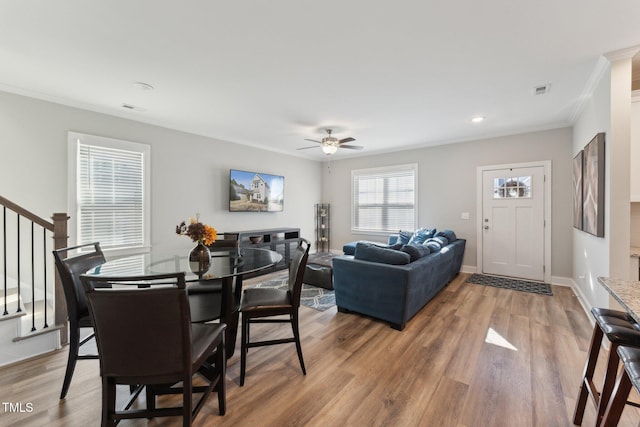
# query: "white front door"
{"points": [[513, 222]]}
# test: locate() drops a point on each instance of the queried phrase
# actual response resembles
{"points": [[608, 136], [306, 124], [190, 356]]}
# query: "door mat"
{"points": [[509, 283], [312, 296]]}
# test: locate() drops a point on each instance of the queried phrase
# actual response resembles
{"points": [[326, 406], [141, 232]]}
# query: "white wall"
{"points": [[189, 173], [447, 187], [591, 254], [608, 110]]}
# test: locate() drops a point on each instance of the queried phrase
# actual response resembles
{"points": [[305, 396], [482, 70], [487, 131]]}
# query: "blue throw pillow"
{"points": [[435, 244], [441, 239], [416, 251], [421, 234], [450, 235], [404, 236], [373, 253]]}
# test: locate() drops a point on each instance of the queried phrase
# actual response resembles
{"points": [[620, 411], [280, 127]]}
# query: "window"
{"points": [[109, 192], [384, 199], [512, 187]]}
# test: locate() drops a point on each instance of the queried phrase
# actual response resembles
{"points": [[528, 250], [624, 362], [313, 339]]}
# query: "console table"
{"points": [[281, 240]]}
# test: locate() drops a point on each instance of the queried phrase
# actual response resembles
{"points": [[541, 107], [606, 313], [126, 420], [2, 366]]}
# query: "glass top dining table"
{"points": [[224, 264], [213, 294]]}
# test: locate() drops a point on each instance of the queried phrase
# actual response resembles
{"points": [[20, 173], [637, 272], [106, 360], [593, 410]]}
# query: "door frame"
{"points": [[546, 165]]}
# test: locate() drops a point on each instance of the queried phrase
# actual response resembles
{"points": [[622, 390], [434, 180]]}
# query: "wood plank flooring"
{"points": [[474, 356]]}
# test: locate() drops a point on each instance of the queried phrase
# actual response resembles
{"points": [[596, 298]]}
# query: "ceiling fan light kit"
{"points": [[330, 144], [329, 149]]}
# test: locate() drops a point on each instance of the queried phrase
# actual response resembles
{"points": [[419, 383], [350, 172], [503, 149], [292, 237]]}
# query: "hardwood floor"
{"points": [[474, 356]]}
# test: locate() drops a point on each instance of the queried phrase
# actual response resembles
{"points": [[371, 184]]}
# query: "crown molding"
{"points": [[626, 53]]}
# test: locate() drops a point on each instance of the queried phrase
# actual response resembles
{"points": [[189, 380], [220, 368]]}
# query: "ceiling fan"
{"points": [[330, 144]]}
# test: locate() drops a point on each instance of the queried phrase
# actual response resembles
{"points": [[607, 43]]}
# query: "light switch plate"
{"points": [[464, 215]]}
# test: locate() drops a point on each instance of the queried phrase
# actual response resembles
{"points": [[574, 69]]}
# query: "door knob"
{"points": [[486, 227]]}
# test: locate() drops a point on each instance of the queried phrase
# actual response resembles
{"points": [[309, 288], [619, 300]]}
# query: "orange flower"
{"points": [[210, 235], [197, 231]]}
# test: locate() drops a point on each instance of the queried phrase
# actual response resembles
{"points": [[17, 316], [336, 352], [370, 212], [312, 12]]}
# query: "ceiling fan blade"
{"points": [[345, 140], [305, 148], [352, 147], [313, 140]]}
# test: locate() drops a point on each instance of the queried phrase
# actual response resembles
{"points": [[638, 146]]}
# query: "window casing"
{"points": [[384, 200], [109, 193]]}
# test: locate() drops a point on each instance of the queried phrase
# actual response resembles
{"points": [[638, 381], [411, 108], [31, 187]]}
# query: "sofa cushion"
{"points": [[421, 234], [369, 252], [395, 246], [416, 251], [350, 248], [449, 234]]}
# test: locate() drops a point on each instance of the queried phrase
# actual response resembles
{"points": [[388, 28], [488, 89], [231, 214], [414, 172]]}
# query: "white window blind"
{"points": [[111, 193], [384, 199]]}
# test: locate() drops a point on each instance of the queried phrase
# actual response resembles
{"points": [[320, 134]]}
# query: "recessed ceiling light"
{"points": [[477, 119], [143, 86]]}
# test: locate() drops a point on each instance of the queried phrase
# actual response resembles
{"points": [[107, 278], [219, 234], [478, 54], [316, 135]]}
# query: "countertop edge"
{"points": [[626, 292]]}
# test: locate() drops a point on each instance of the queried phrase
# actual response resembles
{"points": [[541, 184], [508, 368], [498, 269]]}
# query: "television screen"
{"points": [[255, 192]]}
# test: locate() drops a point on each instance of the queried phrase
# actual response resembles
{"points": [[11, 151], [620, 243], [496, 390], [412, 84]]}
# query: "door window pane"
{"points": [[512, 187]]}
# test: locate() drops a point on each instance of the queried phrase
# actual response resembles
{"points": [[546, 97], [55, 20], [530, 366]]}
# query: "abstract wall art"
{"points": [[593, 186], [577, 190]]}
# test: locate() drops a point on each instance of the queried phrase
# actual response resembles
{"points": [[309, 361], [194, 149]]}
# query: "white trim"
{"points": [[546, 165], [626, 53]]}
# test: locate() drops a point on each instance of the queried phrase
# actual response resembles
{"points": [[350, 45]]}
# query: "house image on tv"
{"points": [[259, 189]]}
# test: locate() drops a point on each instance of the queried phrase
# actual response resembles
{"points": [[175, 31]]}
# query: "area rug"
{"points": [[509, 283], [312, 296]]}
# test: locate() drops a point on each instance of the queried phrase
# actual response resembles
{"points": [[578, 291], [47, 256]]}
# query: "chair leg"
{"points": [[243, 347], [221, 366], [296, 335], [617, 402], [587, 376], [609, 381], [74, 344], [150, 395], [108, 401], [187, 395]]}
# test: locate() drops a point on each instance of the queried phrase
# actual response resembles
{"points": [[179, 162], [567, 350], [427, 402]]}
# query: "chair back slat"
{"points": [[296, 270]]}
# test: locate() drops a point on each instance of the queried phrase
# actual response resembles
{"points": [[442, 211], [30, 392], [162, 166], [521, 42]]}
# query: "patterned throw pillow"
{"points": [[434, 243], [404, 236], [421, 234]]}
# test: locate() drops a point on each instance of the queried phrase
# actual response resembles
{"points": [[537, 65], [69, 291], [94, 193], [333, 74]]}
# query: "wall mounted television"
{"points": [[255, 192]]}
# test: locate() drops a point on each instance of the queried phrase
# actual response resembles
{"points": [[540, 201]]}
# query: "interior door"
{"points": [[513, 222]]}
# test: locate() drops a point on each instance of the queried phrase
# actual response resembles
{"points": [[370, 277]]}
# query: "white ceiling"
{"points": [[270, 73]]}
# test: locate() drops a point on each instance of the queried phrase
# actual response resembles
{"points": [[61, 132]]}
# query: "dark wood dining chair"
{"points": [[208, 299], [205, 296], [260, 305], [146, 340], [70, 267]]}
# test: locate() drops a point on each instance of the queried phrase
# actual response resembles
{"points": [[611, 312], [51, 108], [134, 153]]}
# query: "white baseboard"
{"points": [[470, 269]]}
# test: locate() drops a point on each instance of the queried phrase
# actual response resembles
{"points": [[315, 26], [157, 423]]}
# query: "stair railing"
{"points": [[38, 265]]}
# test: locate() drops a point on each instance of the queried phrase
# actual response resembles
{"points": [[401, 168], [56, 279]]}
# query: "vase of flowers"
{"points": [[204, 235]]}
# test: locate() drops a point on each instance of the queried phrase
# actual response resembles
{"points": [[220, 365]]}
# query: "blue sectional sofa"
{"points": [[393, 282]]}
